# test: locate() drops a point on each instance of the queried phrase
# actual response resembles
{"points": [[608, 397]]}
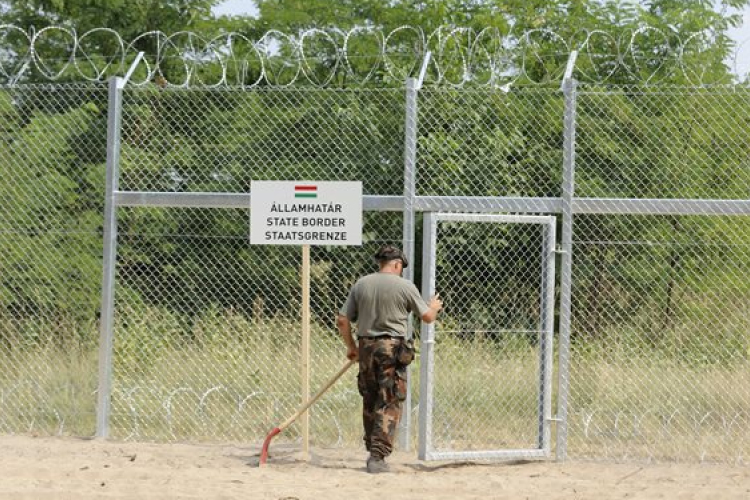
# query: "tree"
{"points": [[471, 142], [50, 246], [99, 48]]}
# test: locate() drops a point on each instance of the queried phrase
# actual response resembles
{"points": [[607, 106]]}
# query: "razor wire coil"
{"points": [[460, 56]]}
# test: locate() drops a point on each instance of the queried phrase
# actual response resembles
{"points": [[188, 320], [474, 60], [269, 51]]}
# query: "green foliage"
{"points": [[482, 143], [10, 119], [659, 275], [51, 210], [130, 18], [101, 49], [630, 144]]}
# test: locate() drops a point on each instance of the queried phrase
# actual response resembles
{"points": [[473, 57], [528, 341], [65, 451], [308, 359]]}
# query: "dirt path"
{"points": [[45, 468]]}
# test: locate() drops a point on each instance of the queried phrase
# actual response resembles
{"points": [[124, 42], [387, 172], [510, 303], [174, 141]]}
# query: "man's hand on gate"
{"points": [[436, 303], [434, 307]]}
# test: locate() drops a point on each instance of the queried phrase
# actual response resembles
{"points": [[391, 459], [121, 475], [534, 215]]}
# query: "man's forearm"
{"points": [[345, 329], [430, 316], [348, 337]]}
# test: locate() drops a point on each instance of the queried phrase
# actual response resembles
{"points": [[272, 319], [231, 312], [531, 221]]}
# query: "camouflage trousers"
{"points": [[382, 384]]}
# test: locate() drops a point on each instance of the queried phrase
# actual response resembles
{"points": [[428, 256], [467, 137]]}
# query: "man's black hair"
{"points": [[388, 253]]}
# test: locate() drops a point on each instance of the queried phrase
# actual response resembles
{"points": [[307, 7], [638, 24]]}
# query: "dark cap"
{"points": [[388, 253]]}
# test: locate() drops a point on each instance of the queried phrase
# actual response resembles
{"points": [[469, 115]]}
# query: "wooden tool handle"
{"points": [[317, 395]]}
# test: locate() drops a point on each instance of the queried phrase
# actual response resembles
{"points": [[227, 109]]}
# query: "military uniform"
{"points": [[380, 303], [382, 384]]}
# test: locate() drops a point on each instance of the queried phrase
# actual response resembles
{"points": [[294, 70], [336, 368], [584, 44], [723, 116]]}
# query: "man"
{"points": [[380, 304]]}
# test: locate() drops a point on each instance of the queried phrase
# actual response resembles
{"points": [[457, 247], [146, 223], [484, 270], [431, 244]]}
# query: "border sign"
{"points": [[305, 213]]}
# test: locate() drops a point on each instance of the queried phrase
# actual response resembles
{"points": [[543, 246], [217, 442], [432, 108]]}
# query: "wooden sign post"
{"points": [[305, 355], [305, 213]]}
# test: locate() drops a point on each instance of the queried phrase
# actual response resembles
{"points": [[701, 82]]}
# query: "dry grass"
{"points": [[228, 379]]}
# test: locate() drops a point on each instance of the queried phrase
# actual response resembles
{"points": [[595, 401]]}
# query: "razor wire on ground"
{"points": [[206, 327], [25, 409], [460, 56]]}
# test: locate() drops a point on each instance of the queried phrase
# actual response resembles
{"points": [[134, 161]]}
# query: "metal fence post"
{"points": [[428, 338], [546, 331], [106, 334], [568, 188], [410, 180]]}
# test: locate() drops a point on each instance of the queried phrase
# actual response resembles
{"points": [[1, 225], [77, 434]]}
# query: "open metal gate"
{"points": [[486, 365]]}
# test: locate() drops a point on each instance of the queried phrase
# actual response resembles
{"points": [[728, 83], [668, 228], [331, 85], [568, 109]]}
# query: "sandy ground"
{"points": [[44, 468]]}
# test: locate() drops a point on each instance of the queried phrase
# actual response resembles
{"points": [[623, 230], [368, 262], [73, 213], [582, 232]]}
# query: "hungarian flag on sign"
{"points": [[306, 191]]}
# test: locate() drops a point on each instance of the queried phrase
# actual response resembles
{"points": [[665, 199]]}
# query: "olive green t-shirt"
{"points": [[380, 304]]}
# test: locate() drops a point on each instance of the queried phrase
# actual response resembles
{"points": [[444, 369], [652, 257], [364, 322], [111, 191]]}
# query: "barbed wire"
{"points": [[151, 412], [460, 56]]}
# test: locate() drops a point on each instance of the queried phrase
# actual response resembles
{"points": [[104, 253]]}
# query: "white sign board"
{"points": [[305, 213]]}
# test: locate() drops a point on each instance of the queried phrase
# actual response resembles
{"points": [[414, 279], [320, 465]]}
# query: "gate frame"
{"points": [[547, 303]]}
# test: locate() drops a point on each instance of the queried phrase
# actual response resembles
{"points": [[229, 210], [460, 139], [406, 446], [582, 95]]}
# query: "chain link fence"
{"points": [[660, 335], [225, 363], [52, 170], [206, 335], [490, 143]]}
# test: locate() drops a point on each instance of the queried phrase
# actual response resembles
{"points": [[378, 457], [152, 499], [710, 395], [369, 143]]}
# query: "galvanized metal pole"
{"points": [[305, 348], [546, 332], [428, 339], [410, 181], [566, 273], [410, 173], [106, 335]]}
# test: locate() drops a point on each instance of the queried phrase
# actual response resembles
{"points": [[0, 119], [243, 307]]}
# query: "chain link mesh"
{"points": [[219, 140], [660, 343], [652, 142], [244, 301], [52, 153], [207, 327], [490, 143], [660, 337], [487, 359]]}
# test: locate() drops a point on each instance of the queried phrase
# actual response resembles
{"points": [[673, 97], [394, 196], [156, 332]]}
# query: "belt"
{"points": [[384, 336]]}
